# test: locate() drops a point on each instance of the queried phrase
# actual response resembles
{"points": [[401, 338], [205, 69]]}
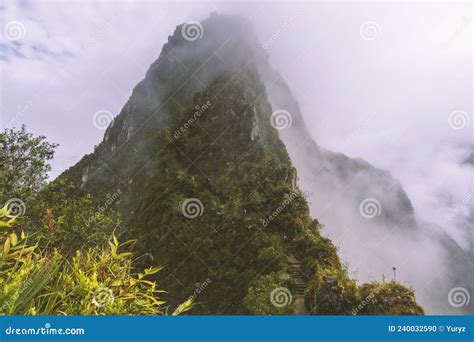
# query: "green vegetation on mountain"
{"points": [[230, 159], [389, 299]]}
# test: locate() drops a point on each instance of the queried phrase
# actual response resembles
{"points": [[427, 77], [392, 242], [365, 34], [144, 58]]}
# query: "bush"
{"points": [[96, 281], [270, 295], [388, 299], [68, 221], [332, 293]]}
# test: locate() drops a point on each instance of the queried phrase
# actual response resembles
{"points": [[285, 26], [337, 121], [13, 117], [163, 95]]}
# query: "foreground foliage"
{"points": [[95, 281]]}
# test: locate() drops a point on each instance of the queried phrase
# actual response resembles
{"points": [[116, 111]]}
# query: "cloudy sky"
{"points": [[388, 82]]}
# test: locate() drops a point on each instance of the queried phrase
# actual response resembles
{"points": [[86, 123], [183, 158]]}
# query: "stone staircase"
{"points": [[299, 307]]}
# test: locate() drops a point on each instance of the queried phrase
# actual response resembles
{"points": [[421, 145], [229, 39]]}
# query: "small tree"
{"points": [[24, 163]]}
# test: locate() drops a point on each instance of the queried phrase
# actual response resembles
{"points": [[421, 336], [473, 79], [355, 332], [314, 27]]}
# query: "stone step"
{"points": [[300, 282]]}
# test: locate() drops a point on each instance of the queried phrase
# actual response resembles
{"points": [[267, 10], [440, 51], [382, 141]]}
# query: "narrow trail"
{"points": [[301, 284]]}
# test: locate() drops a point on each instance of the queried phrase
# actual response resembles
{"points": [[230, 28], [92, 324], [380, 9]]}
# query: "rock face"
{"points": [[200, 185]]}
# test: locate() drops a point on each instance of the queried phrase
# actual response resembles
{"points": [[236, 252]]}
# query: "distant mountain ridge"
{"points": [[346, 183]]}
